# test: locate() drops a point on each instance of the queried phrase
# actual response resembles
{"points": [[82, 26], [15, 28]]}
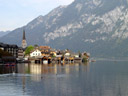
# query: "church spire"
{"points": [[24, 38], [24, 43]]}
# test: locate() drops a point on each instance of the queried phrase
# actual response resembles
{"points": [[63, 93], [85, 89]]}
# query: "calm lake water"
{"points": [[101, 78]]}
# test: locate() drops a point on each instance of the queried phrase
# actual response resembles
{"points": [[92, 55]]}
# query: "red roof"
{"points": [[45, 47]]}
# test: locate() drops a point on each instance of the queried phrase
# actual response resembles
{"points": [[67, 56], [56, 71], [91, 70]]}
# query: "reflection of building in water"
{"points": [[49, 69], [35, 69], [38, 70], [77, 66], [88, 66], [23, 83], [67, 69], [7, 69], [21, 68]]}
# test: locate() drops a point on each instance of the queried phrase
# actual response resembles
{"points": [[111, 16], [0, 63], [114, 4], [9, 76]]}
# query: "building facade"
{"points": [[45, 50], [20, 53], [12, 49], [35, 53]]}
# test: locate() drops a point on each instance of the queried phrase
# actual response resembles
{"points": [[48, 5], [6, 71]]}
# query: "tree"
{"points": [[36, 45], [84, 59], [80, 55], [28, 50]]}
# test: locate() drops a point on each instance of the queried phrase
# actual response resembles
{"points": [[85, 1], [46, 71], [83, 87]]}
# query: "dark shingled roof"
{"points": [[8, 45]]}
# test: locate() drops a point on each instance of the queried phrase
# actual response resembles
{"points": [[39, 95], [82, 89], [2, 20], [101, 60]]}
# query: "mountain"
{"points": [[96, 26], [2, 33]]}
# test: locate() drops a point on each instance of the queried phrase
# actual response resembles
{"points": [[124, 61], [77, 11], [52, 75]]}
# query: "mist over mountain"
{"points": [[97, 26]]}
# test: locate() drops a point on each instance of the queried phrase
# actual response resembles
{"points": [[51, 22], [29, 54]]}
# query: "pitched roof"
{"points": [[34, 50], [45, 47]]}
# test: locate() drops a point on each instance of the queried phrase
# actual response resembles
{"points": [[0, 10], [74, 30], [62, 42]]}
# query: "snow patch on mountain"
{"points": [[108, 20], [35, 22], [62, 31], [96, 2], [79, 6]]}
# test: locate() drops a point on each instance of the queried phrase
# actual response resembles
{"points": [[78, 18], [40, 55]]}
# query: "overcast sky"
{"points": [[17, 13]]}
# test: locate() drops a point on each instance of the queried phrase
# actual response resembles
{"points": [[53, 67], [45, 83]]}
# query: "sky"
{"points": [[17, 13]]}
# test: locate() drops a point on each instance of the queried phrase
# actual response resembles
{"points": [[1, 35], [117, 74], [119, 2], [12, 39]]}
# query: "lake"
{"points": [[101, 78]]}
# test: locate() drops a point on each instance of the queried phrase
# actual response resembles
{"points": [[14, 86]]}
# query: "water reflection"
{"points": [[38, 69], [95, 79], [7, 69]]}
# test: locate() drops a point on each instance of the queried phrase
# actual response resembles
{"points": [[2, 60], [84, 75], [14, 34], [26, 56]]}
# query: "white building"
{"points": [[35, 53], [67, 54], [20, 54]]}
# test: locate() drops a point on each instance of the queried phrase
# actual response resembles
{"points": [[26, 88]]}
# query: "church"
{"points": [[24, 42]]}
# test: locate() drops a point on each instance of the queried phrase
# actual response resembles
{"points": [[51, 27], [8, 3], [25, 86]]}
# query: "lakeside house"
{"points": [[35, 53], [53, 53], [20, 53], [45, 50], [67, 53], [12, 49], [43, 54], [8, 53], [11, 52]]}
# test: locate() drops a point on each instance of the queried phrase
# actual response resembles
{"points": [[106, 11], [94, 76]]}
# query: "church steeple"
{"points": [[24, 43], [24, 38]]}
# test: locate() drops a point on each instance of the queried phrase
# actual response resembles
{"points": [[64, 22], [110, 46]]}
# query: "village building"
{"points": [[1, 46], [67, 53], [20, 53], [53, 53], [35, 53], [12, 49], [60, 52], [47, 55], [45, 50], [85, 54], [76, 55]]}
